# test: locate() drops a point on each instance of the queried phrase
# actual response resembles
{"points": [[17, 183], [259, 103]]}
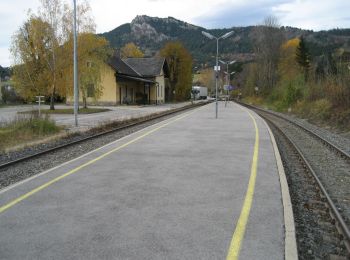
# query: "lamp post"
{"points": [[227, 74], [75, 67], [211, 37]]}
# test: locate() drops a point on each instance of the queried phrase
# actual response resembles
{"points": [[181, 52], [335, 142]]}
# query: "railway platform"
{"points": [[189, 187]]}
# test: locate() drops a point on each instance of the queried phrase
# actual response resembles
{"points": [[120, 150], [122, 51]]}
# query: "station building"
{"points": [[131, 81]]}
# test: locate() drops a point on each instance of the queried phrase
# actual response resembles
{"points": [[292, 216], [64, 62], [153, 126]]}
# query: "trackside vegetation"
{"points": [[289, 78], [25, 129]]}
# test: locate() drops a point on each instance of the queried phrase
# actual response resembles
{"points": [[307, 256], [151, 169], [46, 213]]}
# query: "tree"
{"points": [[42, 50], [207, 78], [29, 48], [180, 70], [93, 51], [130, 50], [51, 13], [303, 57], [268, 40], [35, 48], [287, 66], [85, 21]]}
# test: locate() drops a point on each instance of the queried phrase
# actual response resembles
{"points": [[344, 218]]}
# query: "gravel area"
{"points": [[340, 140], [333, 170], [317, 237], [39, 164]]}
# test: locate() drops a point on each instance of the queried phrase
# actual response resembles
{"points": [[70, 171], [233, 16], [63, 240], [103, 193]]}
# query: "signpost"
{"points": [[39, 102], [229, 87]]}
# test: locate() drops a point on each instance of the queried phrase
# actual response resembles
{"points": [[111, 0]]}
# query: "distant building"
{"points": [[132, 81]]}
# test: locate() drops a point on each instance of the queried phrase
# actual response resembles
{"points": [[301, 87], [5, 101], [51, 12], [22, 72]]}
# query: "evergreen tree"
{"points": [[303, 57]]}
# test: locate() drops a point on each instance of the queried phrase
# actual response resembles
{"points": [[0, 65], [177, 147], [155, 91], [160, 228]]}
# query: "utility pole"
{"points": [[76, 89]]}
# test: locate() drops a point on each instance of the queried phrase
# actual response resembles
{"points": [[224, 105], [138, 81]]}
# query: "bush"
{"points": [[302, 108], [26, 128], [9, 95], [342, 118], [292, 94], [338, 93], [254, 100], [321, 110]]}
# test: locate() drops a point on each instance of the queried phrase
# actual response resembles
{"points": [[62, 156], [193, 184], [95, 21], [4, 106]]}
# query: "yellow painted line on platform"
{"points": [[49, 183], [238, 235]]}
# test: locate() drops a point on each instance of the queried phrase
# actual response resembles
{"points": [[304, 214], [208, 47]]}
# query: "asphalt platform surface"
{"points": [[174, 190]]}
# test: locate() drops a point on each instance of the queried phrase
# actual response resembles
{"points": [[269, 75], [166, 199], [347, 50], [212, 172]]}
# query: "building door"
{"points": [[146, 92]]}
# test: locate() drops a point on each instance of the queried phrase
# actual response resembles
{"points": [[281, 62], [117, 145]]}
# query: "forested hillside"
{"points": [[151, 33]]}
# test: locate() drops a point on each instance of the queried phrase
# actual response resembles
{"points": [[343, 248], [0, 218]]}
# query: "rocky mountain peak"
{"points": [[141, 28]]}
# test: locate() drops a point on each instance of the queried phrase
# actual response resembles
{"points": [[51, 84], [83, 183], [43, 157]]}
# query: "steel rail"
{"points": [[123, 127], [338, 149], [335, 215]]}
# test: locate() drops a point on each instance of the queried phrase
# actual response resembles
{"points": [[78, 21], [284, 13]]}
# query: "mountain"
{"points": [[151, 33]]}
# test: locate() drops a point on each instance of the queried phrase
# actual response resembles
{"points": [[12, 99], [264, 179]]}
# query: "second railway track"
{"points": [[328, 167]]}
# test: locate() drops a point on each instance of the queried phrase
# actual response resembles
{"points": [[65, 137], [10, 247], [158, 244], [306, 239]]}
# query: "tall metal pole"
{"points": [[211, 37], [227, 84], [216, 77], [76, 90], [227, 75]]}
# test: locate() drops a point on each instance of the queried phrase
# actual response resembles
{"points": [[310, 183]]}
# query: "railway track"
{"points": [[320, 176], [21, 167]]}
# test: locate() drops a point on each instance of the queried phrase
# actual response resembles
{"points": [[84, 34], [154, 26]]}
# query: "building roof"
{"points": [[147, 67], [135, 78], [121, 67]]}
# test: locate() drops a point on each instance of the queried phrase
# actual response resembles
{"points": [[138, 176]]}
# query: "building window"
{"points": [[90, 90]]}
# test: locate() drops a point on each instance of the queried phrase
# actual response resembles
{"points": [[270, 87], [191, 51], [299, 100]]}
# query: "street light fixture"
{"points": [[229, 75], [211, 37]]}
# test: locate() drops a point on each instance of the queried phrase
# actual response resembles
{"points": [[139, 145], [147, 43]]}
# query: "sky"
{"points": [[108, 14]]}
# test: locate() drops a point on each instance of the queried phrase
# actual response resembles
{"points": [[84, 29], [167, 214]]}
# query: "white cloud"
{"points": [[307, 14], [12, 14], [110, 14], [315, 14], [5, 59], [238, 13]]}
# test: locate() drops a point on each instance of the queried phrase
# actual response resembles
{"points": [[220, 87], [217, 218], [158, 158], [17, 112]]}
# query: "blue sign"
{"points": [[229, 87]]}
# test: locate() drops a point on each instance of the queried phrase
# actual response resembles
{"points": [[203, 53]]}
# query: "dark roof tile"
{"points": [[146, 67], [121, 67]]}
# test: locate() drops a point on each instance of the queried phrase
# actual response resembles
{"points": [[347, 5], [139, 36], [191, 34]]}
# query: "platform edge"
{"points": [[291, 252]]}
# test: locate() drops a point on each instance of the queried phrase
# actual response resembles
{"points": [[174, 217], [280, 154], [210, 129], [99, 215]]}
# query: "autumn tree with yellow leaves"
{"points": [[180, 70], [42, 51], [93, 52], [32, 58], [130, 50]]}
